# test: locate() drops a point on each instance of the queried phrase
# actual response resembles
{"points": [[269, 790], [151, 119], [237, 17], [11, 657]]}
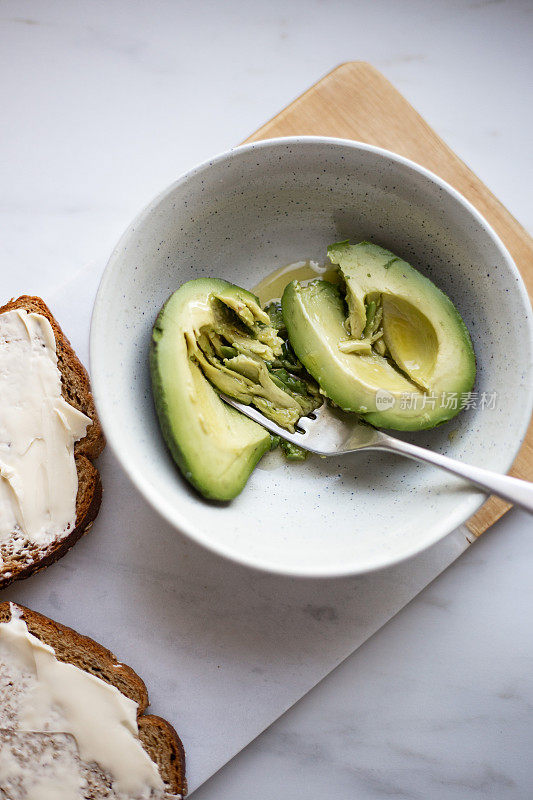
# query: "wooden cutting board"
{"points": [[356, 102]]}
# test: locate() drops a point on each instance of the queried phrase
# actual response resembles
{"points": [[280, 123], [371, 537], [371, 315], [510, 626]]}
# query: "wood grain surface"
{"points": [[356, 102]]}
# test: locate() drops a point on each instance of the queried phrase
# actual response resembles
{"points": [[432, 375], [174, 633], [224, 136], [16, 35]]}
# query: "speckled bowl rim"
{"points": [[170, 512]]}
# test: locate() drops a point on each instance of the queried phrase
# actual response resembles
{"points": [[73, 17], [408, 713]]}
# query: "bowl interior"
{"points": [[240, 217]]}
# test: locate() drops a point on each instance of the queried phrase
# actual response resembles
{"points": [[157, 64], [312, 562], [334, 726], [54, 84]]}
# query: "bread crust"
{"points": [[76, 390], [157, 736]]}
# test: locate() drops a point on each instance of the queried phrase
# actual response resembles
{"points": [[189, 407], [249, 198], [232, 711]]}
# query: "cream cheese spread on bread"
{"points": [[38, 429], [54, 698]]}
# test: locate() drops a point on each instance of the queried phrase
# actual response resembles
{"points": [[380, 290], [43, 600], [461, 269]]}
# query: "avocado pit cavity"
{"points": [[398, 331]]}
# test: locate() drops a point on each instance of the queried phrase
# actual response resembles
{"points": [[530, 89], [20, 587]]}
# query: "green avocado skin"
{"points": [[215, 447], [314, 315]]}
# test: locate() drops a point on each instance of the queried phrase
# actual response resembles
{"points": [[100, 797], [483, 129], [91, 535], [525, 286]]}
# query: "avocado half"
{"points": [[211, 335], [388, 345]]}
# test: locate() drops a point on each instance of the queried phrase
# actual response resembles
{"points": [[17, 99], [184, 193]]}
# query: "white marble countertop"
{"points": [[103, 104]]}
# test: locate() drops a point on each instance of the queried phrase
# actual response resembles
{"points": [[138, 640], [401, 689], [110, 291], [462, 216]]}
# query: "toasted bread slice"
{"points": [[20, 557], [157, 736]]}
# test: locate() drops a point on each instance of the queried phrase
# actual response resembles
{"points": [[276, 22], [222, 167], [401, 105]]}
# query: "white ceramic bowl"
{"points": [[238, 217]]}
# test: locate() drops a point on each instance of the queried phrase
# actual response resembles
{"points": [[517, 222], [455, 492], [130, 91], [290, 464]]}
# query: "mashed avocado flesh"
{"points": [[240, 353], [212, 336]]}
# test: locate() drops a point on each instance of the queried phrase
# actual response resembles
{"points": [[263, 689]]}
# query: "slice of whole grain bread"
{"points": [[157, 736], [22, 558]]}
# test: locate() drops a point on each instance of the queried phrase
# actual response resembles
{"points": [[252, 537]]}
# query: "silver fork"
{"points": [[331, 432]]}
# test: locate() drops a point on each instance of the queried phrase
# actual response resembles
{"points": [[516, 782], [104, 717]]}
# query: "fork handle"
{"points": [[512, 489]]}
